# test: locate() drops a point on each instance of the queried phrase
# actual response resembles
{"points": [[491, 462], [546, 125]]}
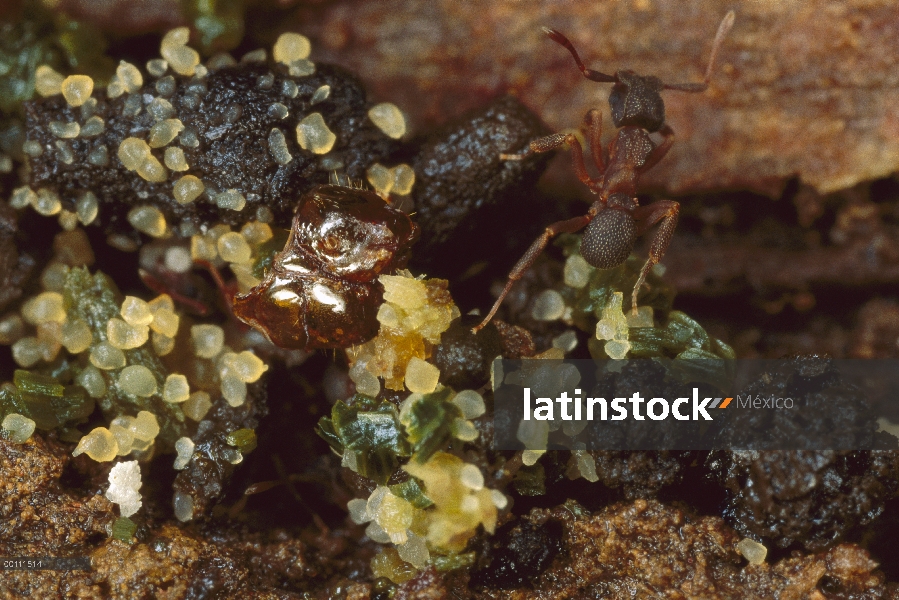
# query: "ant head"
{"points": [[636, 100]]}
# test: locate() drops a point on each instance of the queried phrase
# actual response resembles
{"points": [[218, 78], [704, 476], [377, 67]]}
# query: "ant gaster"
{"points": [[615, 219]]}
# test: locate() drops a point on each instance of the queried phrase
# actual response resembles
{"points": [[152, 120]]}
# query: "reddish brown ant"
{"points": [[616, 219]]}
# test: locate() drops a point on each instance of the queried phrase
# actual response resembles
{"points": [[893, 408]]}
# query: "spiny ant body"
{"points": [[616, 219]]}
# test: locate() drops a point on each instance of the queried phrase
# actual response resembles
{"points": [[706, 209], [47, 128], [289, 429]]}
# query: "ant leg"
{"points": [[647, 216], [588, 73], [726, 23], [659, 151], [525, 262], [557, 140], [593, 129]]}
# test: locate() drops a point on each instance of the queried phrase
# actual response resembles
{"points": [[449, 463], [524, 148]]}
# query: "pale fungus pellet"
{"points": [[180, 58], [389, 119], [91, 379], [120, 427], [313, 134], [231, 200], [470, 403], [234, 391], [148, 219], [577, 271], [752, 551], [565, 341], [17, 428], [290, 47], [145, 426], [177, 259], [185, 449], [245, 365], [176, 388], [157, 67], [47, 203], [183, 505], [258, 55], [136, 311], [132, 152], [152, 170], [256, 233], [160, 109], [321, 94], [11, 328], [548, 306], [46, 306], [27, 351], [421, 376], [99, 156], [464, 430], [76, 89], [53, 278], [88, 109], [278, 111], [277, 145], [233, 247], [99, 444], [207, 339], [197, 405], [64, 151], [202, 248], [380, 178], [160, 302], [22, 197], [107, 357], [76, 336], [289, 89], [130, 76], [403, 179], [65, 130], [165, 322], [47, 82], [174, 159], [187, 189], [163, 132], [471, 477], [137, 380], [301, 68], [93, 127], [220, 61], [162, 344], [166, 86]]}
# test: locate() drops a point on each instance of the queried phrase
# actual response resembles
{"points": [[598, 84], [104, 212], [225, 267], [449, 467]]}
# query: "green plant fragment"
{"points": [[123, 529], [242, 439], [370, 431], [428, 420]]}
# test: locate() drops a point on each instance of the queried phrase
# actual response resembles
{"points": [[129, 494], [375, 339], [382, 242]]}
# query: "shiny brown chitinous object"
{"points": [[322, 290]]}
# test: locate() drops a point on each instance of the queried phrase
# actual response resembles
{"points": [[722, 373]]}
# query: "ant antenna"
{"points": [[726, 23], [588, 73]]}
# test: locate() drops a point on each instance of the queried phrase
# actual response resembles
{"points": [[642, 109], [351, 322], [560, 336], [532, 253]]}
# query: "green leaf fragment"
{"points": [[242, 439], [428, 420], [123, 529], [370, 431], [411, 492]]}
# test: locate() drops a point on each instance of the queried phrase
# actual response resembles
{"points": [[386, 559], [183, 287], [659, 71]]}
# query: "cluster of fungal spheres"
{"points": [[185, 146], [616, 219]]}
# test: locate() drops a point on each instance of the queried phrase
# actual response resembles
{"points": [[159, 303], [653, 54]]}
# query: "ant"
{"points": [[616, 219]]}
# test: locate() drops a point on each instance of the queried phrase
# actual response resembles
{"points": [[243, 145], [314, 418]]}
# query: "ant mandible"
{"points": [[615, 219]]}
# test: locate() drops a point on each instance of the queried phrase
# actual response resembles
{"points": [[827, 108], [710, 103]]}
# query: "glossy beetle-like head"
{"points": [[322, 290], [348, 233]]}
